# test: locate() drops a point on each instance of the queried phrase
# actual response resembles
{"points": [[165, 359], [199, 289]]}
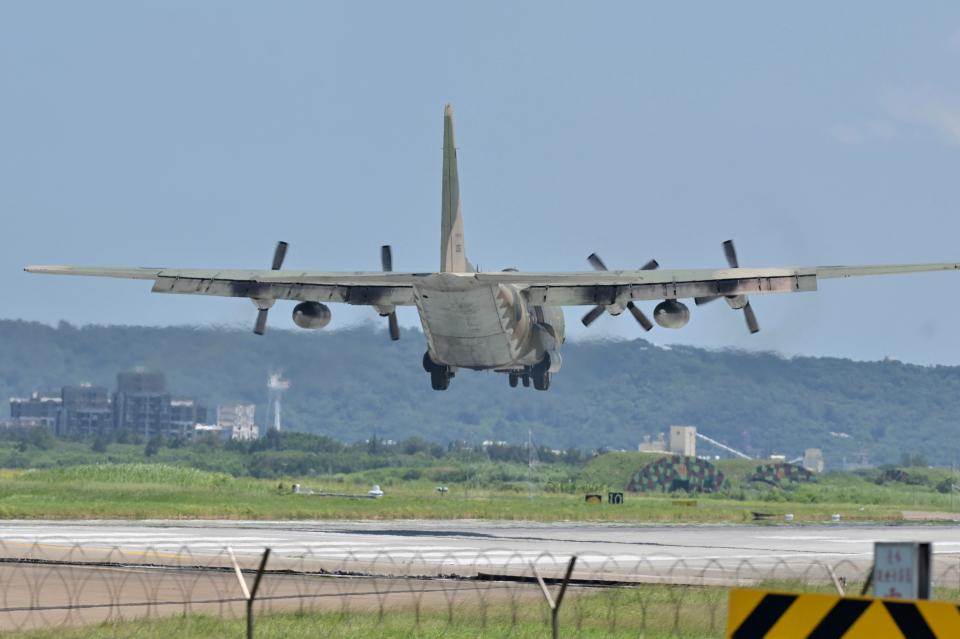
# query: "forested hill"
{"points": [[353, 383]]}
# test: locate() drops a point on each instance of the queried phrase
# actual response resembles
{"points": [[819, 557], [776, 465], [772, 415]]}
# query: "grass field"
{"points": [[649, 611], [141, 491]]}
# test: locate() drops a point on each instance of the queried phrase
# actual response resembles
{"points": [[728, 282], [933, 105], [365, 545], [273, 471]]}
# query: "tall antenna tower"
{"points": [[276, 387]]}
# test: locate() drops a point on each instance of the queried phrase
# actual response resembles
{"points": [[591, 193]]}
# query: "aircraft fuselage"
{"points": [[469, 324]]}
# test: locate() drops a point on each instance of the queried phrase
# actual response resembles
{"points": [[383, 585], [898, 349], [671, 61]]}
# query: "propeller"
{"points": [[598, 310], [731, 254], [386, 263], [748, 315], [261, 325]]}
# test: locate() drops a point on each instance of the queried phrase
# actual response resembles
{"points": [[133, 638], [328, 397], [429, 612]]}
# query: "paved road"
{"points": [[486, 545]]}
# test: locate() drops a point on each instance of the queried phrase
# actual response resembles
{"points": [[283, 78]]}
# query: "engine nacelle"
{"points": [[311, 315], [671, 314]]}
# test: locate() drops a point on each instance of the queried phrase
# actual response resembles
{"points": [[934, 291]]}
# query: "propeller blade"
{"points": [[386, 264], [592, 315], [278, 255], [731, 254], [394, 326], [699, 301], [386, 258], [639, 316], [751, 318], [261, 324], [596, 262], [652, 265]]}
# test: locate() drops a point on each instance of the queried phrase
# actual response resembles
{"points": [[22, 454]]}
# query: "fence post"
{"points": [[250, 595], [868, 582], [555, 605], [836, 581]]}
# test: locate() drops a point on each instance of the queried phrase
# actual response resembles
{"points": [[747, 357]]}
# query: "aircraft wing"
{"points": [[552, 289], [620, 287], [363, 288]]}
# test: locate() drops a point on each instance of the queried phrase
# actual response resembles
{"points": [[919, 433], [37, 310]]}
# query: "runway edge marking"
{"points": [[759, 614]]}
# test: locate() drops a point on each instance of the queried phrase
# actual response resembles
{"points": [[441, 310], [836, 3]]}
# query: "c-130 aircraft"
{"points": [[507, 321]]}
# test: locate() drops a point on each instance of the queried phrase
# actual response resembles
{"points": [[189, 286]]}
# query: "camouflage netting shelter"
{"points": [[677, 473], [779, 473]]}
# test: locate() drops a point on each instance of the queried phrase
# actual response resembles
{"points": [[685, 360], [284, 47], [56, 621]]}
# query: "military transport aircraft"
{"points": [[508, 321]]}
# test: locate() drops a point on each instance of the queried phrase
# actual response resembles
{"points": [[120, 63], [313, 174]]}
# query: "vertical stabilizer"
{"points": [[452, 252]]}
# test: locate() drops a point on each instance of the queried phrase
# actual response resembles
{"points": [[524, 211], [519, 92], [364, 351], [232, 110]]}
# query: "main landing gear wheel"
{"points": [[514, 379], [541, 375], [440, 374], [526, 380], [542, 383], [440, 378]]}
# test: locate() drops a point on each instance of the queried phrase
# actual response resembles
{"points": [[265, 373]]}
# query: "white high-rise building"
{"points": [[238, 420]]}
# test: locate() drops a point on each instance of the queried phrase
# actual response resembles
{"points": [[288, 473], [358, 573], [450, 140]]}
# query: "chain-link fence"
{"points": [[62, 585]]}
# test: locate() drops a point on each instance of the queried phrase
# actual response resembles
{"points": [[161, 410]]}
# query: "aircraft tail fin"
{"points": [[453, 257]]}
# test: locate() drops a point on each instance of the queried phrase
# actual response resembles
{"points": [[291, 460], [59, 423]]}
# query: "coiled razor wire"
{"points": [[60, 584]]}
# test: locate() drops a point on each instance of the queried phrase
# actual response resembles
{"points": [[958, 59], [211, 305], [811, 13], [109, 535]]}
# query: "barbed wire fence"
{"points": [[50, 585]]}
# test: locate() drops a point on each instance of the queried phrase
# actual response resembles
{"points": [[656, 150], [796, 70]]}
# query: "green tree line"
{"points": [[609, 393], [277, 454]]}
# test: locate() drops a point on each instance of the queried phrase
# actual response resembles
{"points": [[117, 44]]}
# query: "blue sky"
{"points": [[198, 134]]}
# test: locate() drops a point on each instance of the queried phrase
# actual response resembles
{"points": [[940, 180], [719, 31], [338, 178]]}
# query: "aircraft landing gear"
{"points": [[440, 374], [542, 383], [440, 378], [541, 374], [516, 377]]}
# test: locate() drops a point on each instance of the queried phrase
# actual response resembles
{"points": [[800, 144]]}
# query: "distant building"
{"points": [[86, 411], [813, 460], [185, 414], [659, 446], [142, 403], [238, 420], [23, 422], [200, 430], [860, 461], [683, 440], [40, 409]]}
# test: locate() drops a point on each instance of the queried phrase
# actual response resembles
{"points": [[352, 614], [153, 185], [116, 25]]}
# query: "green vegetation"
{"points": [[354, 383], [622, 612], [208, 479], [293, 454], [129, 474], [650, 611]]}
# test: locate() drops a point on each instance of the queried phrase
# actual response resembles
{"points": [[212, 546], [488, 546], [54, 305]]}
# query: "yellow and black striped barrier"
{"points": [[759, 614]]}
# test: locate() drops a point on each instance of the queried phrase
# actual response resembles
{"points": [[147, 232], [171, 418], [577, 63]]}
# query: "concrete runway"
{"points": [[463, 547]]}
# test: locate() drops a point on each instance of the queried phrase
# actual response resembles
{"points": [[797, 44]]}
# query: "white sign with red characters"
{"points": [[901, 570]]}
